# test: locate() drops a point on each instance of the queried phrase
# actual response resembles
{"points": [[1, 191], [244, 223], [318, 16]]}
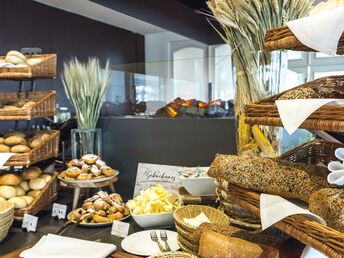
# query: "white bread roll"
{"points": [[7, 191], [16, 54], [28, 199], [33, 193], [46, 177], [19, 190], [18, 202], [10, 179], [37, 183], [25, 185], [2, 199], [31, 173]]}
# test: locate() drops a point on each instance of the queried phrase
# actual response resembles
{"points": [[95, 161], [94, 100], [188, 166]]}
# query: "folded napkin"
{"points": [[4, 157], [321, 31], [198, 220], [274, 208], [294, 112], [54, 246]]}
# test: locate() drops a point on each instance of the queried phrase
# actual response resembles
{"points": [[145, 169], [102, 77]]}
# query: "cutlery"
{"points": [[155, 239], [163, 236]]}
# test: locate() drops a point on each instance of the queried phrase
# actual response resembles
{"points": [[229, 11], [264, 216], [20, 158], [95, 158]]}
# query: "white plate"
{"points": [[140, 243], [98, 180]]}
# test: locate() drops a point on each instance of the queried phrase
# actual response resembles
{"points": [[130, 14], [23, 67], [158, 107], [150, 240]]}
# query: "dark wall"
{"points": [[29, 24]]}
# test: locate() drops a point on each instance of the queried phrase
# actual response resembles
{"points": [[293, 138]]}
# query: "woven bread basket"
{"points": [[184, 247], [175, 254], [6, 218]]}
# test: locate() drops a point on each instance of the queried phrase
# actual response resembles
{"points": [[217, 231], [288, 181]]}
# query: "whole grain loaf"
{"points": [[328, 203], [273, 176]]}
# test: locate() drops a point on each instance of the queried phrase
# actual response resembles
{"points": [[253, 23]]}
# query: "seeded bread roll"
{"points": [[328, 203], [272, 176]]}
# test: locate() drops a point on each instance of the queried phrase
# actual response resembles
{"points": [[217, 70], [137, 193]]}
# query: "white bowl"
{"points": [[158, 220], [199, 186]]}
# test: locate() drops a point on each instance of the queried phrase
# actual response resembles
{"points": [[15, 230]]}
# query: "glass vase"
{"points": [[86, 141]]}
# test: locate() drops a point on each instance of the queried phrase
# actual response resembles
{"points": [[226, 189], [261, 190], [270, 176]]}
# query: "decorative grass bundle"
{"points": [[85, 86], [244, 24]]}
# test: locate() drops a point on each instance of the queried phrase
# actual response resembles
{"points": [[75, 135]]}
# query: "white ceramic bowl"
{"points": [[158, 220], [199, 186]]}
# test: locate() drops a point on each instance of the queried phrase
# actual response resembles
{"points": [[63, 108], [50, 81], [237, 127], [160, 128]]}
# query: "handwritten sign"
{"points": [[120, 229], [30, 222], [59, 211]]}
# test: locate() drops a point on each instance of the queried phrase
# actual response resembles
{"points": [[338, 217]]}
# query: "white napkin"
{"points": [[310, 252], [4, 157], [294, 112], [198, 220], [274, 208], [54, 246], [321, 31]]}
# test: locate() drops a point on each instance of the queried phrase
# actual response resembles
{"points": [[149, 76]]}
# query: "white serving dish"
{"points": [[157, 220], [199, 186]]}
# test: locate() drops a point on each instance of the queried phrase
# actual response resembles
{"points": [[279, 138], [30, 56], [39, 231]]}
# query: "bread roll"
{"points": [[19, 190], [273, 176], [28, 199], [328, 203], [14, 60], [2, 199], [20, 149], [10, 179], [18, 202], [35, 143], [31, 173], [1, 140], [7, 192], [37, 183], [15, 133], [46, 177], [4, 148], [14, 140], [25, 185], [34, 193], [16, 54]]}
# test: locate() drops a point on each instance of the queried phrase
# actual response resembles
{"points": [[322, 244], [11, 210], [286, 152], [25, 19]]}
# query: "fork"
{"points": [[164, 238], [155, 239]]}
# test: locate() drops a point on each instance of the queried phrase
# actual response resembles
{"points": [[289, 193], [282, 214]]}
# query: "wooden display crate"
{"points": [[44, 106], [46, 68]]}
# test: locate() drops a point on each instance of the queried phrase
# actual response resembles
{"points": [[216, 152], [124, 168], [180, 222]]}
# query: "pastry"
{"points": [[107, 171], [10, 179], [18, 202], [37, 183], [46, 177], [14, 140], [284, 178], [31, 173], [20, 149], [95, 171], [99, 204], [73, 172], [34, 193], [7, 191], [19, 190], [328, 203], [83, 176], [115, 216], [87, 205], [28, 199], [100, 219], [85, 168], [90, 158], [4, 148]]}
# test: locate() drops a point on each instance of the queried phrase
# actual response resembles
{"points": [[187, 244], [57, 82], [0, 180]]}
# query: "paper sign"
{"points": [[30, 222], [59, 211], [4, 157], [152, 174], [120, 229]]}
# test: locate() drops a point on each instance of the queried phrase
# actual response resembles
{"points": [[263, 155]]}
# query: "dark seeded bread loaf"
{"points": [[284, 178], [328, 203]]}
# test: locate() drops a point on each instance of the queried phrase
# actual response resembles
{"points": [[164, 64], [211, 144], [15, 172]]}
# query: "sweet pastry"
{"points": [[7, 191], [28, 199], [18, 202], [115, 216], [90, 158], [284, 178], [100, 219], [73, 172], [10, 179], [99, 204], [107, 171], [83, 176], [20, 149], [95, 171], [19, 190], [87, 205], [4, 148], [328, 203], [37, 183], [31, 173]]}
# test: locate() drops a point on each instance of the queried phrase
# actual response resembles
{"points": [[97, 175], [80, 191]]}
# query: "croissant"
{"points": [[99, 204], [100, 219], [87, 205]]}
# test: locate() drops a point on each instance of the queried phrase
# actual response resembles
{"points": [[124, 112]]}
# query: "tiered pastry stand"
{"points": [[307, 231], [44, 107]]}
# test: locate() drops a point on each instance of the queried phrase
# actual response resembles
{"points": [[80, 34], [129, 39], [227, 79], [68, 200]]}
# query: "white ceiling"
{"points": [[103, 14]]}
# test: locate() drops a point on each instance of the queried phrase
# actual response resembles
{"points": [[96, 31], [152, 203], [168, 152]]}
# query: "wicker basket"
{"points": [[46, 68], [302, 228], [175, 254], [186, 242], [184, 247], [191, 211], [44, 106], [47, 150], [283, 38], [45, 197], [328, 117], [6, 218]]}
